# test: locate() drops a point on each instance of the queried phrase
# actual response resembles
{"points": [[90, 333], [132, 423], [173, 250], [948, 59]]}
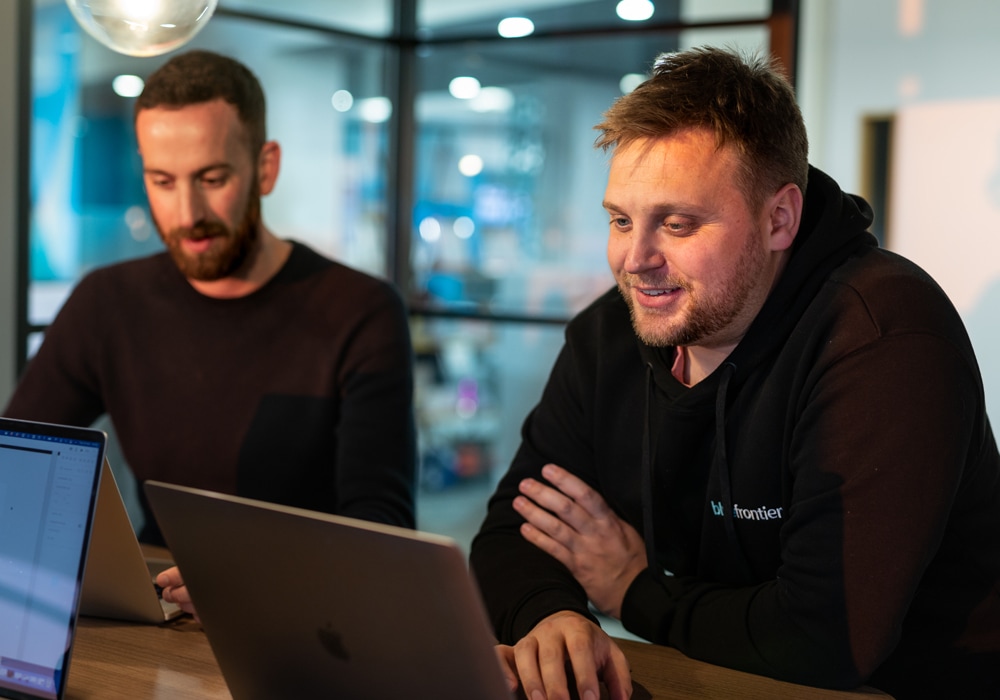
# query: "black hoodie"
{"points": [[827, 502]]}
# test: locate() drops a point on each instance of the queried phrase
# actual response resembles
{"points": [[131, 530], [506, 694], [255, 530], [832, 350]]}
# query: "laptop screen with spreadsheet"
{"points": [[49, 476]]}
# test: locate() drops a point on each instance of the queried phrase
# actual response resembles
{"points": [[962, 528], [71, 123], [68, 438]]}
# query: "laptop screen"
{"points": [[48, 486]]}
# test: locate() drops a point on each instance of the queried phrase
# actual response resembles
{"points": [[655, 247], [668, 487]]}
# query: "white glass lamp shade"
{"points": [[142, 27]]}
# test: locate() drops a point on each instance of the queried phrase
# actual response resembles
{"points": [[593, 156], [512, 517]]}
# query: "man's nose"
{"points": [[190, 207], [644, 253]]}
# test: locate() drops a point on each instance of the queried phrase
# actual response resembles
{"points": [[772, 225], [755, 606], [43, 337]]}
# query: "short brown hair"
{"points": [[200, 76], [745, 100]]}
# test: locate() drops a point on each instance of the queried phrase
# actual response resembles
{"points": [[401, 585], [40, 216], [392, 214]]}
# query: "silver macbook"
{"points": [[49, 476], [342, 608], [119, 581]]}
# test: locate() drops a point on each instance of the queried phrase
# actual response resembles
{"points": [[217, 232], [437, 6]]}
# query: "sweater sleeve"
{"points": [[62, 382], [879, 448], [376, 436]]}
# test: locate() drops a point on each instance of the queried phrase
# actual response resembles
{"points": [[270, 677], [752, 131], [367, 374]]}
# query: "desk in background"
{"points": [[113, 660]]}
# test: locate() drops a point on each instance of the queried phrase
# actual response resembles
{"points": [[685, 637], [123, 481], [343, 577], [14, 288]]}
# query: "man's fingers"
{"points": [[180, 597], [545, 521], [581, 657], [555, 502], [508, 665], [576, 489], [605, 662], [548, 545], [529, 670], [552, 664], [169, 578], [617, 675]]}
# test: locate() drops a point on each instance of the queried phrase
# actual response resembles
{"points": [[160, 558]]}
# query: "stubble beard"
{"points": [[704, 318]]}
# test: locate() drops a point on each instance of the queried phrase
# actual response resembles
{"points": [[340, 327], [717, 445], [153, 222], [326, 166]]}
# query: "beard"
{"points": [[230, 248], [706, 314]]}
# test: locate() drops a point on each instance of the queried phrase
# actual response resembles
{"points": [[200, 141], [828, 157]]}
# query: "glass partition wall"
{"points": [[418, 145]]}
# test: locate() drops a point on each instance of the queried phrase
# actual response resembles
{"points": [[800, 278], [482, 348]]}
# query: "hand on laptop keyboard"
{"points": [[174, 590]]}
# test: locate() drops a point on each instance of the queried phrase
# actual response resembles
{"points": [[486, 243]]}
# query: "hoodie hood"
{"points": [[834, 228]]}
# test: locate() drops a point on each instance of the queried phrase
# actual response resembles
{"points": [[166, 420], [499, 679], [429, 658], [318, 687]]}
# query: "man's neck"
{"points": [[261, 265], [693, 364]]}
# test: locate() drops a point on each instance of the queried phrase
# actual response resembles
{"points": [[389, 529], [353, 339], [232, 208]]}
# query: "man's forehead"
{"points": [[701, 138], [690, 151], [193, 136], [213, 119]]}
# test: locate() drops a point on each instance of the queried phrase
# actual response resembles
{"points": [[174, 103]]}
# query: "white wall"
{"points": [[932, 64]]}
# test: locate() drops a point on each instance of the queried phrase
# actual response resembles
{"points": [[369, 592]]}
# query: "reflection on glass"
{"points": [[476, 381], [370, 18], [524, 173], [326, 107], [508, 213]]}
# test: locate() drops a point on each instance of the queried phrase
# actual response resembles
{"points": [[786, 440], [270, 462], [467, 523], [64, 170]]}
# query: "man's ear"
{"points": [[784, 212], [268, 165]]}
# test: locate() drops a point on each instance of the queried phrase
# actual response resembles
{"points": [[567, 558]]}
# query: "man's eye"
{"points": [[679, 228]]}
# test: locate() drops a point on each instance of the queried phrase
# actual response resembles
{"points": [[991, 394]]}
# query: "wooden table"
{"points": [[664, 672], [113, 660], [122, 660]]}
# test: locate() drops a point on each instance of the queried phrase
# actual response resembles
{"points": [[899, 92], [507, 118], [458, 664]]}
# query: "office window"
{"points": [[476, 381], [326, 106], [508, 224], [368, 18], [505, 239]]}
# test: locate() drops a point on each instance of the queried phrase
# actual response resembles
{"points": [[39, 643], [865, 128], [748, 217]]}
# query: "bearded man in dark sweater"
{"points": [[768, 447], [235, 361]]}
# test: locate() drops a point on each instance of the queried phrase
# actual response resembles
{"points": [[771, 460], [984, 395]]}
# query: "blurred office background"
{"points": [[422, 146]]}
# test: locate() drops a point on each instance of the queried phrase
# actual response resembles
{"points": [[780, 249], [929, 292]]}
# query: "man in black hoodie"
{"points": [[768, 447]]}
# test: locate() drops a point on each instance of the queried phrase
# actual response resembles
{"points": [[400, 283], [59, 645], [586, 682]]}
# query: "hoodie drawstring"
{"points": [[720, 468], [652, 560], [720, 471]]}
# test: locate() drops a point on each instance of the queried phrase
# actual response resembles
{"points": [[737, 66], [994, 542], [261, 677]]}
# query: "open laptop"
{"points": [[49, 477], [342, 608], [118, 583]]}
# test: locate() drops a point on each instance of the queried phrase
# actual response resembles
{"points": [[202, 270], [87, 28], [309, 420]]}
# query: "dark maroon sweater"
{"points": [[299, 393]]}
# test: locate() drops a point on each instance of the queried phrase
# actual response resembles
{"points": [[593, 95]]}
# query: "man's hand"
{"points": [[174, 590], [574, 524], [540, 660]]}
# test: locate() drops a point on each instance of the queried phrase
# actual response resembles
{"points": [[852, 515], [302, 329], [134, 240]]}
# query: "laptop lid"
{"points": [[118, 583], [341, 608], [49, 478]]}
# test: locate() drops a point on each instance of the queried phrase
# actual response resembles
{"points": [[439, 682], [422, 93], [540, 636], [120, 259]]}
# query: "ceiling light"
{"points": [[635, 10], [128, 85], [464, 227], [630, 81], [342, 100], [470, 165], [463, 87], [492, 99], [375, 109], [515, 27], [430, 229], [142, 27]]}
